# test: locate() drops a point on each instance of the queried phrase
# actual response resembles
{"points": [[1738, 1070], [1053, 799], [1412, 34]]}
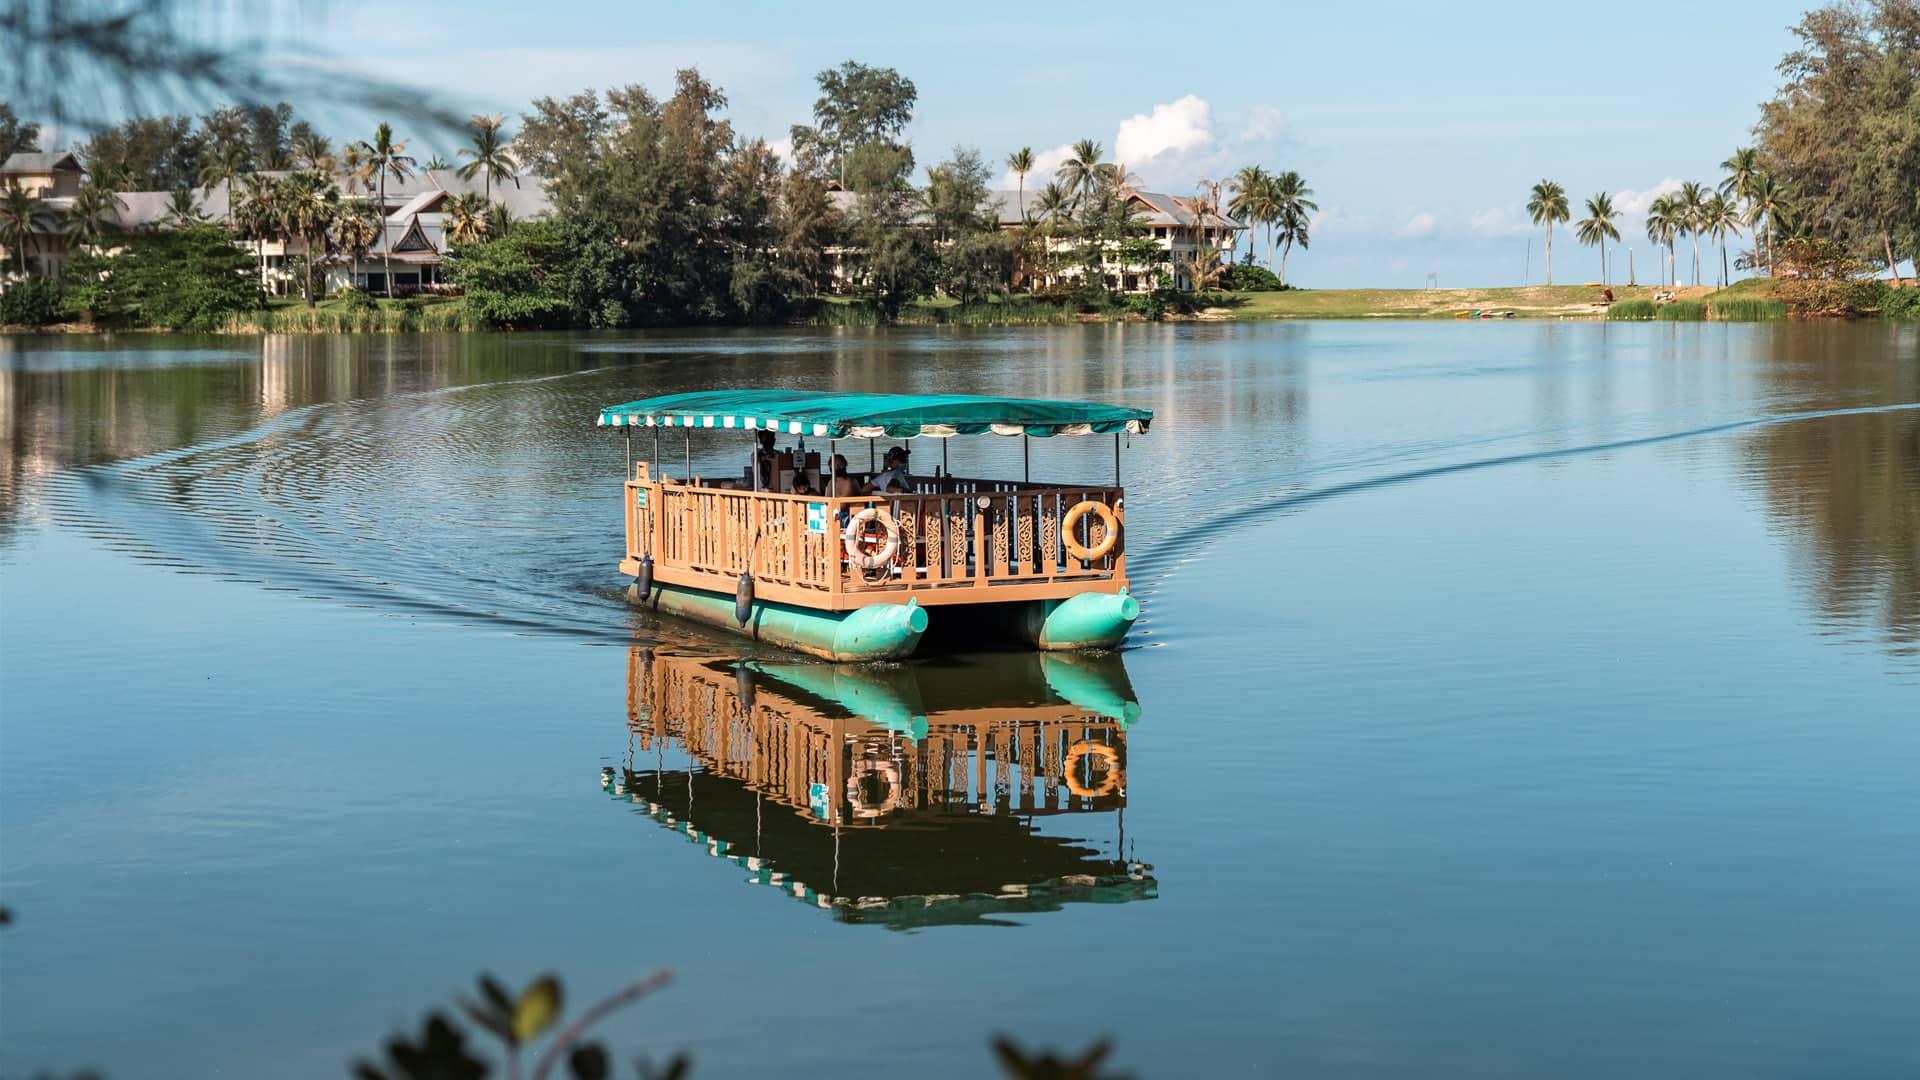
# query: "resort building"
{"points": [[54, 179], [1182, 235]]}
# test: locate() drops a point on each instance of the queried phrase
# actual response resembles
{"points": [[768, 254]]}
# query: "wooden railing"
{"points": [[961, 541]]}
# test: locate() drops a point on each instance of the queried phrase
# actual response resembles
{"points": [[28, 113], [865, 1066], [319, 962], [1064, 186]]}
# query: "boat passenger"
{"points": [[802, 485], [844, 485], [895, 472], [767, 458]]}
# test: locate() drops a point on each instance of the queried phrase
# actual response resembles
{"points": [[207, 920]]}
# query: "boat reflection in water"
{"points": [[905, 796]]}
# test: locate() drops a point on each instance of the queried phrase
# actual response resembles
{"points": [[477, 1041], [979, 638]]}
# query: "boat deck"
{"points": [[962, 541]]}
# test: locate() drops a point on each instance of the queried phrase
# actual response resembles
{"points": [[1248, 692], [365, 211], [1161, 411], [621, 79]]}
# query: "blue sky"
{"points": [[1419, 126]]}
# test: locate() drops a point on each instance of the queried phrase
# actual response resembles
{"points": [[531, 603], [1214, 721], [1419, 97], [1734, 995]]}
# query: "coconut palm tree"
{"points": [[1664, 220], [1021, 162], [500, 220], [489, 154], [1766, 197], [1693, 202], [1742, 168], [1719, 216], [22, 214], [359, 173], [1547, 204], [92, 217], [258, 215], [358, 227], [309, 206], [1202, 268], [1082, 170], [1293, 209], [383, 156], [1252, 202], [466, 219], [182, 211], [225, 162], [1598, 227], [313, 152]]}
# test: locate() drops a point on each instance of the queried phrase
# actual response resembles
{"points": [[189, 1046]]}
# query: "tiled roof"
{"points": [[38, 163]]}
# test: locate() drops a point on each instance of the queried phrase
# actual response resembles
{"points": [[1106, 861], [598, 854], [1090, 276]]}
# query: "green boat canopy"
{"points": [[870, 416]]}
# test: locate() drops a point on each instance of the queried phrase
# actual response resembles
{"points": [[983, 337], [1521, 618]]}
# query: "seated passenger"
{"points": [[802, 485], [895, 472], [844, 485]]}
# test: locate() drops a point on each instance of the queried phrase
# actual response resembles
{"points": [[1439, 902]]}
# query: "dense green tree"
{"points": [[807, 224], [17, 136], [225, 161], [310, 149], [309, 206], [761, 284], [974, 258], [1844, 128], [1546, 205], [190, 278], [859, 108], [1766, 199], [146, 153]]}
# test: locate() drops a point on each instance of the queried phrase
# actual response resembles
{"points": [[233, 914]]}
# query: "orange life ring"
{"points": [[1110, 523], [863, 803], [1107, 755], [856, 539]]}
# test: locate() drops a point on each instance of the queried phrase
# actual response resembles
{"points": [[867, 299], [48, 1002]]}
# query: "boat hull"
{"points": [[874, 632]]}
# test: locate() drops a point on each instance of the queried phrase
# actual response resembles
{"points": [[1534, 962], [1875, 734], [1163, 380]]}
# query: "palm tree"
{"points": [[224, 164], [359, 227], [182, 211], [466, 219], [1252, 202], [1766, 197], [1598, 228], [309, 206], [489, 154], [91, 217], [500, 220], [359, 173], [258, 216], [1293, 207], [1202, 268], [1082, 170], [1693, 201], [1743, 168], [1719, 216], [22, 214], [384, 157], [436, 162], [1021, 162], [313, 152], [1547, 204], [1664, 221]]}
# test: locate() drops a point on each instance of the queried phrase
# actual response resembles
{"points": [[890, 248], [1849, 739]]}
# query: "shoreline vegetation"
{"points": [[1749, 300]]}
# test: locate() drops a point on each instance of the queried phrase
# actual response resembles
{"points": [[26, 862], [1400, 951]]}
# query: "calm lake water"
{"points": [[1510, 700]]}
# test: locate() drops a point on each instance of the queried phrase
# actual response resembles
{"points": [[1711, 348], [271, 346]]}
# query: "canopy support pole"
{"points": [[1026, 458], [653, 463], [944, 471], [628, 432], [832, 473], [873, 464], [689, 434], [1116, 459], [753, 458]]}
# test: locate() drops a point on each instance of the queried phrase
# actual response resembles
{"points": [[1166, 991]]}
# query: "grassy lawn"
{"points": [[1530, 302]]}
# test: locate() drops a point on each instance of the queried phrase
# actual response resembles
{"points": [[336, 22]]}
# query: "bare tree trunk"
{"points": [[1695, 238], [1886, 241], [1769, 244], [386, 236], [1286, 249], [1549, 252], [1723, 265]]}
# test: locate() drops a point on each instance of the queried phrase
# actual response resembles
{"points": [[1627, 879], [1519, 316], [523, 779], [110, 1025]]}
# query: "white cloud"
{"points": [[1499, 221], [1264, 123], [1636, 203], [1176, 127], [783, 147], [1419, 225]]}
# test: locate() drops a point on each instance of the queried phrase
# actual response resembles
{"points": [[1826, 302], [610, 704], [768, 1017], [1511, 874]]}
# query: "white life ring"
{"points": [[865, 806], [856, 539]]}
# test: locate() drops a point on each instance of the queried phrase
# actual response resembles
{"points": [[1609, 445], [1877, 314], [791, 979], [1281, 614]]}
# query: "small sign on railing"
{"points": [[816, 517], [640, 498]]}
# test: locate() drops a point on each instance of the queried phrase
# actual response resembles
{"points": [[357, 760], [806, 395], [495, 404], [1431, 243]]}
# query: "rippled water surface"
{"points": [[1522, 699]]}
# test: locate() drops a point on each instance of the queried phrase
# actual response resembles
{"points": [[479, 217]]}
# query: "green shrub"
{"points": [[1747, 309], [37, 301], [1246, 277], [1892, 303], [355, 299], [1682, 311], [1633, 309]]}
